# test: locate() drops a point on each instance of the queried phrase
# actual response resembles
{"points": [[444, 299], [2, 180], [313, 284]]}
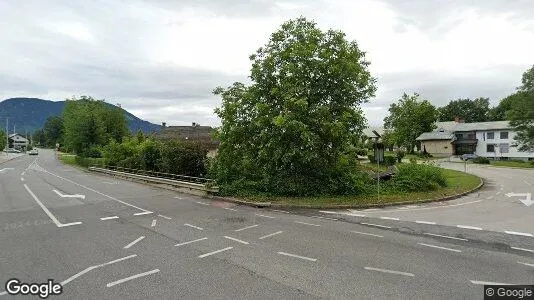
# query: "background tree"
{"points": [[290, 131], [53, 131], [476, 110], [521, 115], [38, 138], [409, 118], [499, 112], [3, 139]]}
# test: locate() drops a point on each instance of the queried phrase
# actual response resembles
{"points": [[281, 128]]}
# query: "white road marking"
{"points": [[236, 240], [433, 207], [326, 218], [143, 213], [468, 227], [389, 271], [376, 225], [153, 223], [498, 192], [519, 233], [109, 218], [193, 226], [438, 247], [341, 213], [165, 217], [526, 264], [488, 283], [264, 216], [297, 256], [202, 203], [269, 235], [21, 179], [193, 241], [68, 196], [309, 224], [365, 233], [446, 236], [522, 249], [132, 277], [215, 252], [282, 211], [95, 267], [228, 208], [95, 191], [134, 242], [426, 222], [50, 215], [389, 218], [245, 228], [23, 173], [5, 169]]}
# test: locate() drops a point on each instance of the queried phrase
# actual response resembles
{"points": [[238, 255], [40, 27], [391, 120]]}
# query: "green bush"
{"points": [[361, 152], [88, 161], [418, 178], [424, 155], [413, 160], [389, 160], [371, 158], [481, 160], [400, 155]]}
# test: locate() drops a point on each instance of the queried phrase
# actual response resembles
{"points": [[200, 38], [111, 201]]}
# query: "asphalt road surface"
{"points": [[104, 238]]}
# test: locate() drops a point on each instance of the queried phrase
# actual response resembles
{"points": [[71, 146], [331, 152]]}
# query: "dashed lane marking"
{"points": [[193, 226], [64, 282], [522, 249], [446, 236], [519, 233], [282, 211], [215, 252], [132, 277], [165, 217], [526, 264], [298, 256], [245, 228], [488, 283], [202, 203], [326, 218], [365, 233], [153, 223], [264, 216], [468, 227], [389, 271], [134, 242], [109, 218], [376, 225], [426, 222], [438, 247], [309, 224], [228, 208], [389, 218], [269, 235], [190, 242], [143, 213], [236, 240]]}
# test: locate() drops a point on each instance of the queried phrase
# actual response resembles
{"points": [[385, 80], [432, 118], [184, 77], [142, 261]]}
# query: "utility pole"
{"points": [[7, 136]]}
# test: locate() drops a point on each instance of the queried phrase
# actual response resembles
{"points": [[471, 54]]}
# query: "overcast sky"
{"points": [[161, 59]]}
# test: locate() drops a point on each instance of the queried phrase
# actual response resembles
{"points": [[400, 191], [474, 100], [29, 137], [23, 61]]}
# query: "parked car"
{"points": [[12, 150], [466, 156], [33, 152]]}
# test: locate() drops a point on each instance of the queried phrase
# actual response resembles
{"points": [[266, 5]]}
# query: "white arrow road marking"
{"points": [[528, 198], [50, 215], [69, 196]]}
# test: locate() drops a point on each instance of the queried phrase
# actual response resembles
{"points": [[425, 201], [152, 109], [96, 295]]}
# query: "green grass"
{"points": [[512, 163], [71, 160], [68, 159], [457, 183]]}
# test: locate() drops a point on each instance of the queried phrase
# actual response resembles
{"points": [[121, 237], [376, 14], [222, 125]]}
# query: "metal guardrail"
{"points": [[160, 174], [205, 187]]}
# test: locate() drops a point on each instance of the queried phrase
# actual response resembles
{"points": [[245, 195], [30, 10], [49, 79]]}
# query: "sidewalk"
{"points": [[4, 158]]}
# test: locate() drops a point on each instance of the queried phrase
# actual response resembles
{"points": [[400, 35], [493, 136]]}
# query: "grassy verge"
{"points": [[513, 164], [457, 183], [75, 161]]}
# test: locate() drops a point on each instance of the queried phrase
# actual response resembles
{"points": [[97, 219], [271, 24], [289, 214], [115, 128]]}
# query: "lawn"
{"points": [[512, 163], [457, 183], [72, 160]]}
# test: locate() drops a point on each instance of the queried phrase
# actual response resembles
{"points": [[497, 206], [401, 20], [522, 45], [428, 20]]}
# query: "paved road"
{"points": [[104, 238]]}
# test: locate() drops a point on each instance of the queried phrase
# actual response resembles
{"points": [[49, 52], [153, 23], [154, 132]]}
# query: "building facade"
{"points": [[18, 142]]}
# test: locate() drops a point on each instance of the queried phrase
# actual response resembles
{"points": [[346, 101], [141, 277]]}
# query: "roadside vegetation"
{"points": [[513, 163]]}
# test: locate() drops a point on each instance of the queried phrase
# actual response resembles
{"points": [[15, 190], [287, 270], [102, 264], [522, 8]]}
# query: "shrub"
{"points": [[413, 160], [389, 160], [371, 158], [424, 155], [400, 155], [481, 160], [418, 178], [361, 152]]}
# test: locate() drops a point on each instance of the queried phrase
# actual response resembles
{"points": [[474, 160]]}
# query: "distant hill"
{"points": [[30, 114]]}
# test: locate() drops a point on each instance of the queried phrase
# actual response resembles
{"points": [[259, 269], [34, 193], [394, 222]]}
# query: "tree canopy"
{"points": [[3, 139], [476, 110], [290, 131], [521, 115], [408, 118]]}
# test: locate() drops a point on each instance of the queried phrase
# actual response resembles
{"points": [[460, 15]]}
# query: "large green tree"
{"points": [[521, 115], [3, 139], [53, 131], [476, 110], [408, 118], [289, 132]]}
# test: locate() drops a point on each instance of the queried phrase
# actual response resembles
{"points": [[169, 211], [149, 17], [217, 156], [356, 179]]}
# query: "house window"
{"points": [[504, 148], [471, 136], [504, 135], [459, 136], [490, 148], [491, 136]]}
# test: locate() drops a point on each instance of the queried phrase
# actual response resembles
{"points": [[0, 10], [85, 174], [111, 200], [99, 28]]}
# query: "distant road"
{"points": [[127, 240]]}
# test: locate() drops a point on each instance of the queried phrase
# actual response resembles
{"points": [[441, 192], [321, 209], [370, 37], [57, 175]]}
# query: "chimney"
{"points": [[163, 124]]}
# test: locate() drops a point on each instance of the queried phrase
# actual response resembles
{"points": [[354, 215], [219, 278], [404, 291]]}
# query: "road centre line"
{"points": [[365, 233], [519, 233], [526, 264], [132, 277], [264, 216], [190, 242], [298, 256], [468, 227], [282, 211], [389, 218], [376, 225], [215, 252], [269, 235], [109, 218], [309, 224], [245, 228], [134, 242], [202, 203], [165, 217], [425, 222], [143, 213], [228, 208], [236, 240], [64, 282], [153, 223], [389, 271], [193, 226], [446, 236], [522, 249], [50, 215], [438, 247], [488, 283], [95, 191], [326, 218]]}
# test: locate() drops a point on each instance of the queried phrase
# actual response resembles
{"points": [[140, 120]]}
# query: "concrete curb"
{"points": [[345, 206]]}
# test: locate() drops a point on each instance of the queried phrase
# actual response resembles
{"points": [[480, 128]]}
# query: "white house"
{"points": [[17, 141], [493, 140]]}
